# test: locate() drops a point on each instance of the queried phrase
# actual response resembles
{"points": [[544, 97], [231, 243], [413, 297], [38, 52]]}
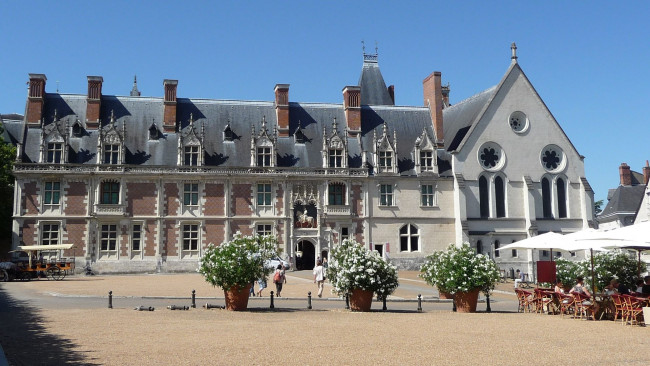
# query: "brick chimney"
{"points": [[626, 174], [646, 173], [432, 87], [169, 117], [391, 92], [35, 99], [93, 101], [282, 108], [352, 106]]}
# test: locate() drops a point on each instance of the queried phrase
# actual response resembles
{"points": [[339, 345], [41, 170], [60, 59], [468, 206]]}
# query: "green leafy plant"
{"points": [[353, 266], [607, 265], [567, 271], [460, 269], [238, 262]]}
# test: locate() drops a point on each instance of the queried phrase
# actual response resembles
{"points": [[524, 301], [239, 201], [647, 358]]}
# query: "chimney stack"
{"points": [[646, 173], [282, 108], [93, 101], [352, 106], [391, 92], [432, 87], [626, 175], [169, 117], [35, 99]]}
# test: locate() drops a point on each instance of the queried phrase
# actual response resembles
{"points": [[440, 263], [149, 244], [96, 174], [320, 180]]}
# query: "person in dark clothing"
{"points": [[645, 290]]}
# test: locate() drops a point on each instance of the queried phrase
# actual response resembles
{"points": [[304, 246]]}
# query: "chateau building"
{"points": [[146, 183]]}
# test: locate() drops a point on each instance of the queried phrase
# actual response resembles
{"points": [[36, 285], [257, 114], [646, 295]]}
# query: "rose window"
{"points": [[518, 122], [490, 156], [552, 158]]}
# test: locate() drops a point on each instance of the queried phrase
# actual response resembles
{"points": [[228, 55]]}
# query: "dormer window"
{"points": [[263, 156], [54, 152], [385, 160], [77, 129], [111, 154], [335, 148], [154, 134], [228, 134], [336, 158], [263, 146], [299, 136], [426, 161], [191, 156]]}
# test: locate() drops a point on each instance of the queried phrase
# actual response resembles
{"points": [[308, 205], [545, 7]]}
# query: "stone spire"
{"points": [[513, 48], [135, 92]]}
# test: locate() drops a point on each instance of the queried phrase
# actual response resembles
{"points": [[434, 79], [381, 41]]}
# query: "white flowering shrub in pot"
{"points": [[355, 271], [460, 271], [236, 264]]}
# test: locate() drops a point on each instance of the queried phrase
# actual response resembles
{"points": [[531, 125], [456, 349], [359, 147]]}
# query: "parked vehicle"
{"points": [[273, 263]]}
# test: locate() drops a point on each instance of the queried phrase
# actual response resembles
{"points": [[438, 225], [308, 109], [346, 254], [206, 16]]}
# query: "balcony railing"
{"points": [[110, 210], [333, 210]]}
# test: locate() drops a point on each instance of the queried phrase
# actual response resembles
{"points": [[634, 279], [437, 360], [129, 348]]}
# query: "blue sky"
{"points": [[589, 61]]}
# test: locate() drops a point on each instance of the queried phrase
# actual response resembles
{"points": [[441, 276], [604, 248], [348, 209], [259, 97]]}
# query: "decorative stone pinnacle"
{"points": [[513, 48]]}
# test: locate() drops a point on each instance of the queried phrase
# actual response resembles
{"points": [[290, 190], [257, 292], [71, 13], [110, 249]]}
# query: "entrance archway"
{"points": [[308, 258]]}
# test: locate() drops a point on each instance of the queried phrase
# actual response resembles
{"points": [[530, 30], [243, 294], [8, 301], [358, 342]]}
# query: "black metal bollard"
{"points": [[453, 301], [347, 302], [309, 300], [193, 299], [419, 303], [383, 299], [110, 299], [272, 300], [487, 300]]}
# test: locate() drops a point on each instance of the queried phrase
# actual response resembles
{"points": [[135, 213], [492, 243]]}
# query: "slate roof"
{"points": [[373, 87], [623, 199], [212, 117], [458, 118]]}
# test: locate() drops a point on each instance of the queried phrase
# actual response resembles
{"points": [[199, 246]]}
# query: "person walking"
{"points": [[262, 284], [279, 278], [319, 277]]}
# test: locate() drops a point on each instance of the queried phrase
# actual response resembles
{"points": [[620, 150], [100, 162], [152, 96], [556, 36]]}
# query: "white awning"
{"points": [[44, 248]]}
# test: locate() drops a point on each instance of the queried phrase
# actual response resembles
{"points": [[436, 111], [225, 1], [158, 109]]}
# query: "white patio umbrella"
{"points": [[549, 240]]}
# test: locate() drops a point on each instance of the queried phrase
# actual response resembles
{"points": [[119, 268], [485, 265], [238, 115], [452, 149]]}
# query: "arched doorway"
{"points": [[307, 259]]}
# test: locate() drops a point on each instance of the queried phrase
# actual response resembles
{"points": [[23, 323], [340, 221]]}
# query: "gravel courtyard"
{"points": [[64, 323]]}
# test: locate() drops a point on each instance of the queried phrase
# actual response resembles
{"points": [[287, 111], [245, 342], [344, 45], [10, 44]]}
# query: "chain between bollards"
{"points": [[419, 303], [193, 299], [110, 299], [347, 302], [309, 300], [272, 306], [487, 300]]}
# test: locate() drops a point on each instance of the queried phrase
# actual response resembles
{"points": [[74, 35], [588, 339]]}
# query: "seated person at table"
{"points": [[559, 286], [639, 286], [520, 278], [645, 290], [621, 289], [581, 288]]}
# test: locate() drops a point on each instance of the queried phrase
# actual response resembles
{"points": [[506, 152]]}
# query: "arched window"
{"points": [[409, 238], [484, 197], [479, 247], [546, 199], [499, 194], [561, 198]]}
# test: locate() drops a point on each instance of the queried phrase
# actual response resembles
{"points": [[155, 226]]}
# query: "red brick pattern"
{"points": [[171, 233], [75, 198], [243, 226], [30, 198], [242, 195], [141, 199], [355, 201], [29, 233], [76, 232], [150, 235], [214, 232], [357, 227], [214, 200], [125, 240], [172, 199]]}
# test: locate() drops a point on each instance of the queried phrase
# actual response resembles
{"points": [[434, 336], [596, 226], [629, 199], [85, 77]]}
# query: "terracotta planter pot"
{"points": [[237, 297], [360, 300], [466, 301], [445, 295]]}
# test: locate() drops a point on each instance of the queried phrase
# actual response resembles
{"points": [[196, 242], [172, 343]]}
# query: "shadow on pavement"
{"points": [[27, 340]]}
